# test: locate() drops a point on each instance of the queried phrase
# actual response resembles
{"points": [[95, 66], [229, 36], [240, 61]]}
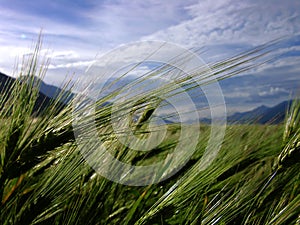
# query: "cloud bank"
{"points": [[77, 31]]}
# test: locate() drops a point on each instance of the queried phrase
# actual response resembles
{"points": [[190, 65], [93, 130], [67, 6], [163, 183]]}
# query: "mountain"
{"points": [[52, 91], [56, 92], [46, 95], [5, 80], [260, 115]]}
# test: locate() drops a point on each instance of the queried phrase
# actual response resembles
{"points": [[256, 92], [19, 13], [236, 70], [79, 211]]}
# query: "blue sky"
{"points": [[76, 31]]}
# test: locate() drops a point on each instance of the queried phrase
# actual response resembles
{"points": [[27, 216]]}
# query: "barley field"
{"points": [[44, 178]]}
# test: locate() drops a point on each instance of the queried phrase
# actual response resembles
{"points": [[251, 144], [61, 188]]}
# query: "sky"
{"points": [[76, 32]]}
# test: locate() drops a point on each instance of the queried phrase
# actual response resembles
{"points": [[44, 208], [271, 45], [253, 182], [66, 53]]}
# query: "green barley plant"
{"points": [[291, 137], [45, 179]]}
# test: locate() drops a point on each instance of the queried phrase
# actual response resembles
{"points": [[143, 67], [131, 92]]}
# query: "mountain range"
{"points": [[260, 115], [47, 93]]}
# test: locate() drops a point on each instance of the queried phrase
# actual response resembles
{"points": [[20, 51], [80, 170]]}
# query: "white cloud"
{"points": [[238, 94], [273, 91], [109, 24], [74, 65], [225, 27], [247, 22], [285, 65]]}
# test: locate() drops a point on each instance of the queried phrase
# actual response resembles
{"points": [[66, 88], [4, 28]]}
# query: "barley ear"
{"points": [[290, 153]]}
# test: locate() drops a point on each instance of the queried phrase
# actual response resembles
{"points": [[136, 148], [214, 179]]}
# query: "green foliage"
{"points": [[45, 179]]}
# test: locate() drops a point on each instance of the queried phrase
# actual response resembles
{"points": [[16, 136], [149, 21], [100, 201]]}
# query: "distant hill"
{"points": [[262, 114], [53, 92], [259, 115], [5, 80], [46, 95]]}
